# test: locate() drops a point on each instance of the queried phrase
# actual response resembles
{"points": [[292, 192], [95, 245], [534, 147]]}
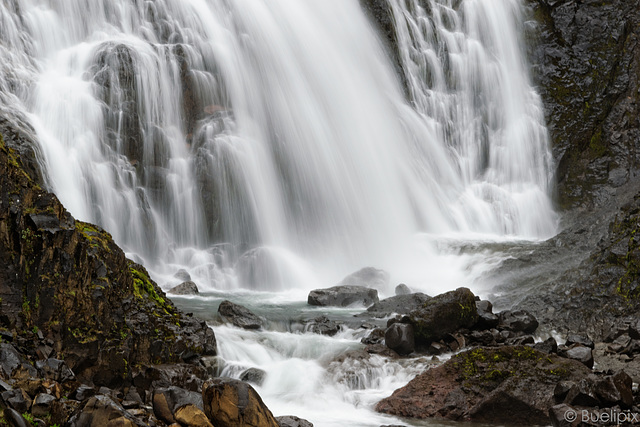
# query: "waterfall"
{"points": [[268, 144]]}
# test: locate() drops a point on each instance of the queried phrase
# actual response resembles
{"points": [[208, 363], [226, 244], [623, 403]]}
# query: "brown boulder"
{"points": [[510, 385], [233, 403], [191, 415]]}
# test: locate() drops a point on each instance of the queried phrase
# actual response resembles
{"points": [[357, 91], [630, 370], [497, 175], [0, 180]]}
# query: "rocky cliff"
{"points": [[68, 291]]}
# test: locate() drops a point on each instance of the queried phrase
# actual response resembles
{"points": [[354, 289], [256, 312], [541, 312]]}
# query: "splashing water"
{"points": [[195, 131]]}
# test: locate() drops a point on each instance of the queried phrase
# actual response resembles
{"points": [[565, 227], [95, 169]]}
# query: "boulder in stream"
{"points": [[239, 316], [343, 296]]}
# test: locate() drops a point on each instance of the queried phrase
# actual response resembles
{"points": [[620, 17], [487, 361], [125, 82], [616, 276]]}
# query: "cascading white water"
{"points": [[278, 127], [468, 79], [267, 145]]}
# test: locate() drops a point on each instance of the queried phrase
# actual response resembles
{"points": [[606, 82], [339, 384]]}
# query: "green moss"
{"points": [[596, 146], [98, 238], [143, 288]]}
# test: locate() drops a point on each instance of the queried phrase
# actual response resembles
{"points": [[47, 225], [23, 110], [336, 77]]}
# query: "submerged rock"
{"points": [[253, 375], [239, 316], [343, 296]]}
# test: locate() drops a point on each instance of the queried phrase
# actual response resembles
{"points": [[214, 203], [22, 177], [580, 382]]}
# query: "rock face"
{"points": [[443, 314], [399, 338], [510, 385], [586, 60], [69, 281], [239, 316], [343, 296], [232, 403]]}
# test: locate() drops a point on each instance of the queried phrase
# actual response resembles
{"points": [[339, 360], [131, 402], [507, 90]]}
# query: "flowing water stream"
{"points": [[268, 148]]}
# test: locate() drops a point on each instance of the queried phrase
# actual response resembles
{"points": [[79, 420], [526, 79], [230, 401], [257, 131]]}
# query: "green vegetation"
{"points": [[98, 238], [27, 416]]}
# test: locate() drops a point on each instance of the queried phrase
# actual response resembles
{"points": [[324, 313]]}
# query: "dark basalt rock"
{"points": [[582, 354], [253, 375], [291, 421], [442, 315], [324, 326], [402, 304], [343, 296], [69, 281], [518, 321], [399, 337], [503, 385], [239, 316]]}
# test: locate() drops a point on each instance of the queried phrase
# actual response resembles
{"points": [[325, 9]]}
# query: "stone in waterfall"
{"points": [[343, 296], [442, 315], [401, 304], [399, 337], [232, 403], [402, 289], [185, 288], [292, 421], [239, 316], [368, 277], [182, 275]]}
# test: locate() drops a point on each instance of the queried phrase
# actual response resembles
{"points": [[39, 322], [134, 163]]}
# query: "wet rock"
{"points": [[291, 421], [376, 336], [253, 375], [188, 377], [582, 340], [505, 385], [559, 414], [55, 369], [185, 288], [367, 277], [550, 345], [324, 326], [231, 403], [176, 397], [402, 304], [583, 393], [562, 389], [518, 321], [17, 399], [581, 354], [192, 416], [615, 390], [402, 289], [42, 405], [101, 411], [15, 419], [399, 338], [239, 316], [162, 409], [442, 315], [13, 365], [84, 392], [182, 275], [343, 296]]}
